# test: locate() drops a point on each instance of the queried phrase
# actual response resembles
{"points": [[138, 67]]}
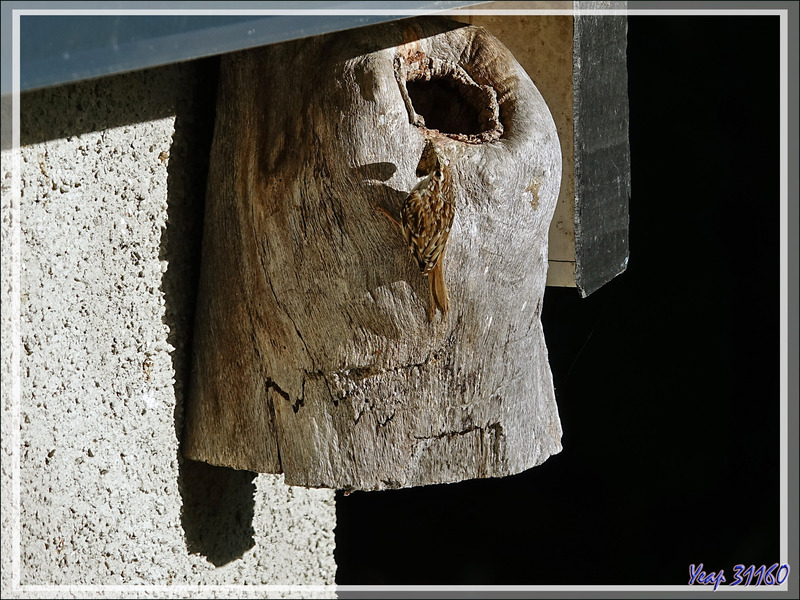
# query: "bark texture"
{"points": [[313, 353]]}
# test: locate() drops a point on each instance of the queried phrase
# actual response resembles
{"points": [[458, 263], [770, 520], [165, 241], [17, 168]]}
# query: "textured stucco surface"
{"points": [[108, 224]]}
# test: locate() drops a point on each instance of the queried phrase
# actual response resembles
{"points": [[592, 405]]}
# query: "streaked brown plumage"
{"points": [[427, 217]]}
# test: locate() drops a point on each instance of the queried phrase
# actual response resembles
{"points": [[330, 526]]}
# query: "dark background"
{"points": [[667, 379]]}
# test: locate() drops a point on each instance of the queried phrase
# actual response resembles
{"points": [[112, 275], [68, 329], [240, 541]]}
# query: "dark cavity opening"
{"points": [[449, 105]]}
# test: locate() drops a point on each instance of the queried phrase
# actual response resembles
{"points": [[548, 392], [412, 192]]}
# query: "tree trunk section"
{"points": [[313, 351]]}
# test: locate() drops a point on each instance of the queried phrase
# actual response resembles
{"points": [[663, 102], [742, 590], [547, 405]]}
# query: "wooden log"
{"points": [[313, 352]]}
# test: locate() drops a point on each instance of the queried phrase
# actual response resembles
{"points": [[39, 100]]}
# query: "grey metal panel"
{"points": [[602, 150], [65, 48]]}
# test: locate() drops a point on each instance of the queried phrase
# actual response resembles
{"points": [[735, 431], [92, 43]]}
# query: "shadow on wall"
{"points": [[218, 510], [218, 503]]}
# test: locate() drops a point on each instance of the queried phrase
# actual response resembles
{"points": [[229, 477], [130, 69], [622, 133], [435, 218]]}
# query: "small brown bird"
{"points": [[427, 217]]}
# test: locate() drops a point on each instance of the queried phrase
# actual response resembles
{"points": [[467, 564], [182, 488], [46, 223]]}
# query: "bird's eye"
{"points": [[437, 174]]}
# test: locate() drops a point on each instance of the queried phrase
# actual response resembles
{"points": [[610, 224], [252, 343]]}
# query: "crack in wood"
{"points": [[362, 412], [497, 432], [496, 428], [361, 373], [271, 408], [367, 371], [272, 385], [302, 399], [282, 306], [379, 424], [386, 421]]}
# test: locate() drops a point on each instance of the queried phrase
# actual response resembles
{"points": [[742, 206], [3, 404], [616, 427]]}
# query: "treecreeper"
{"points": [[374, 262]]}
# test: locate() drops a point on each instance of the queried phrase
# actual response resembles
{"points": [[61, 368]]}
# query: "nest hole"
{"points": [[451, 106]]}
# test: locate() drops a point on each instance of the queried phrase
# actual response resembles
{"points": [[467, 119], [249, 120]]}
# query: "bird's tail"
{"points": [[439, 297]]}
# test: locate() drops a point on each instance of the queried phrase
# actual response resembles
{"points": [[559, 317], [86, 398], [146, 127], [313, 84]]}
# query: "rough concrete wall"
{"points": [[112, 180]]}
